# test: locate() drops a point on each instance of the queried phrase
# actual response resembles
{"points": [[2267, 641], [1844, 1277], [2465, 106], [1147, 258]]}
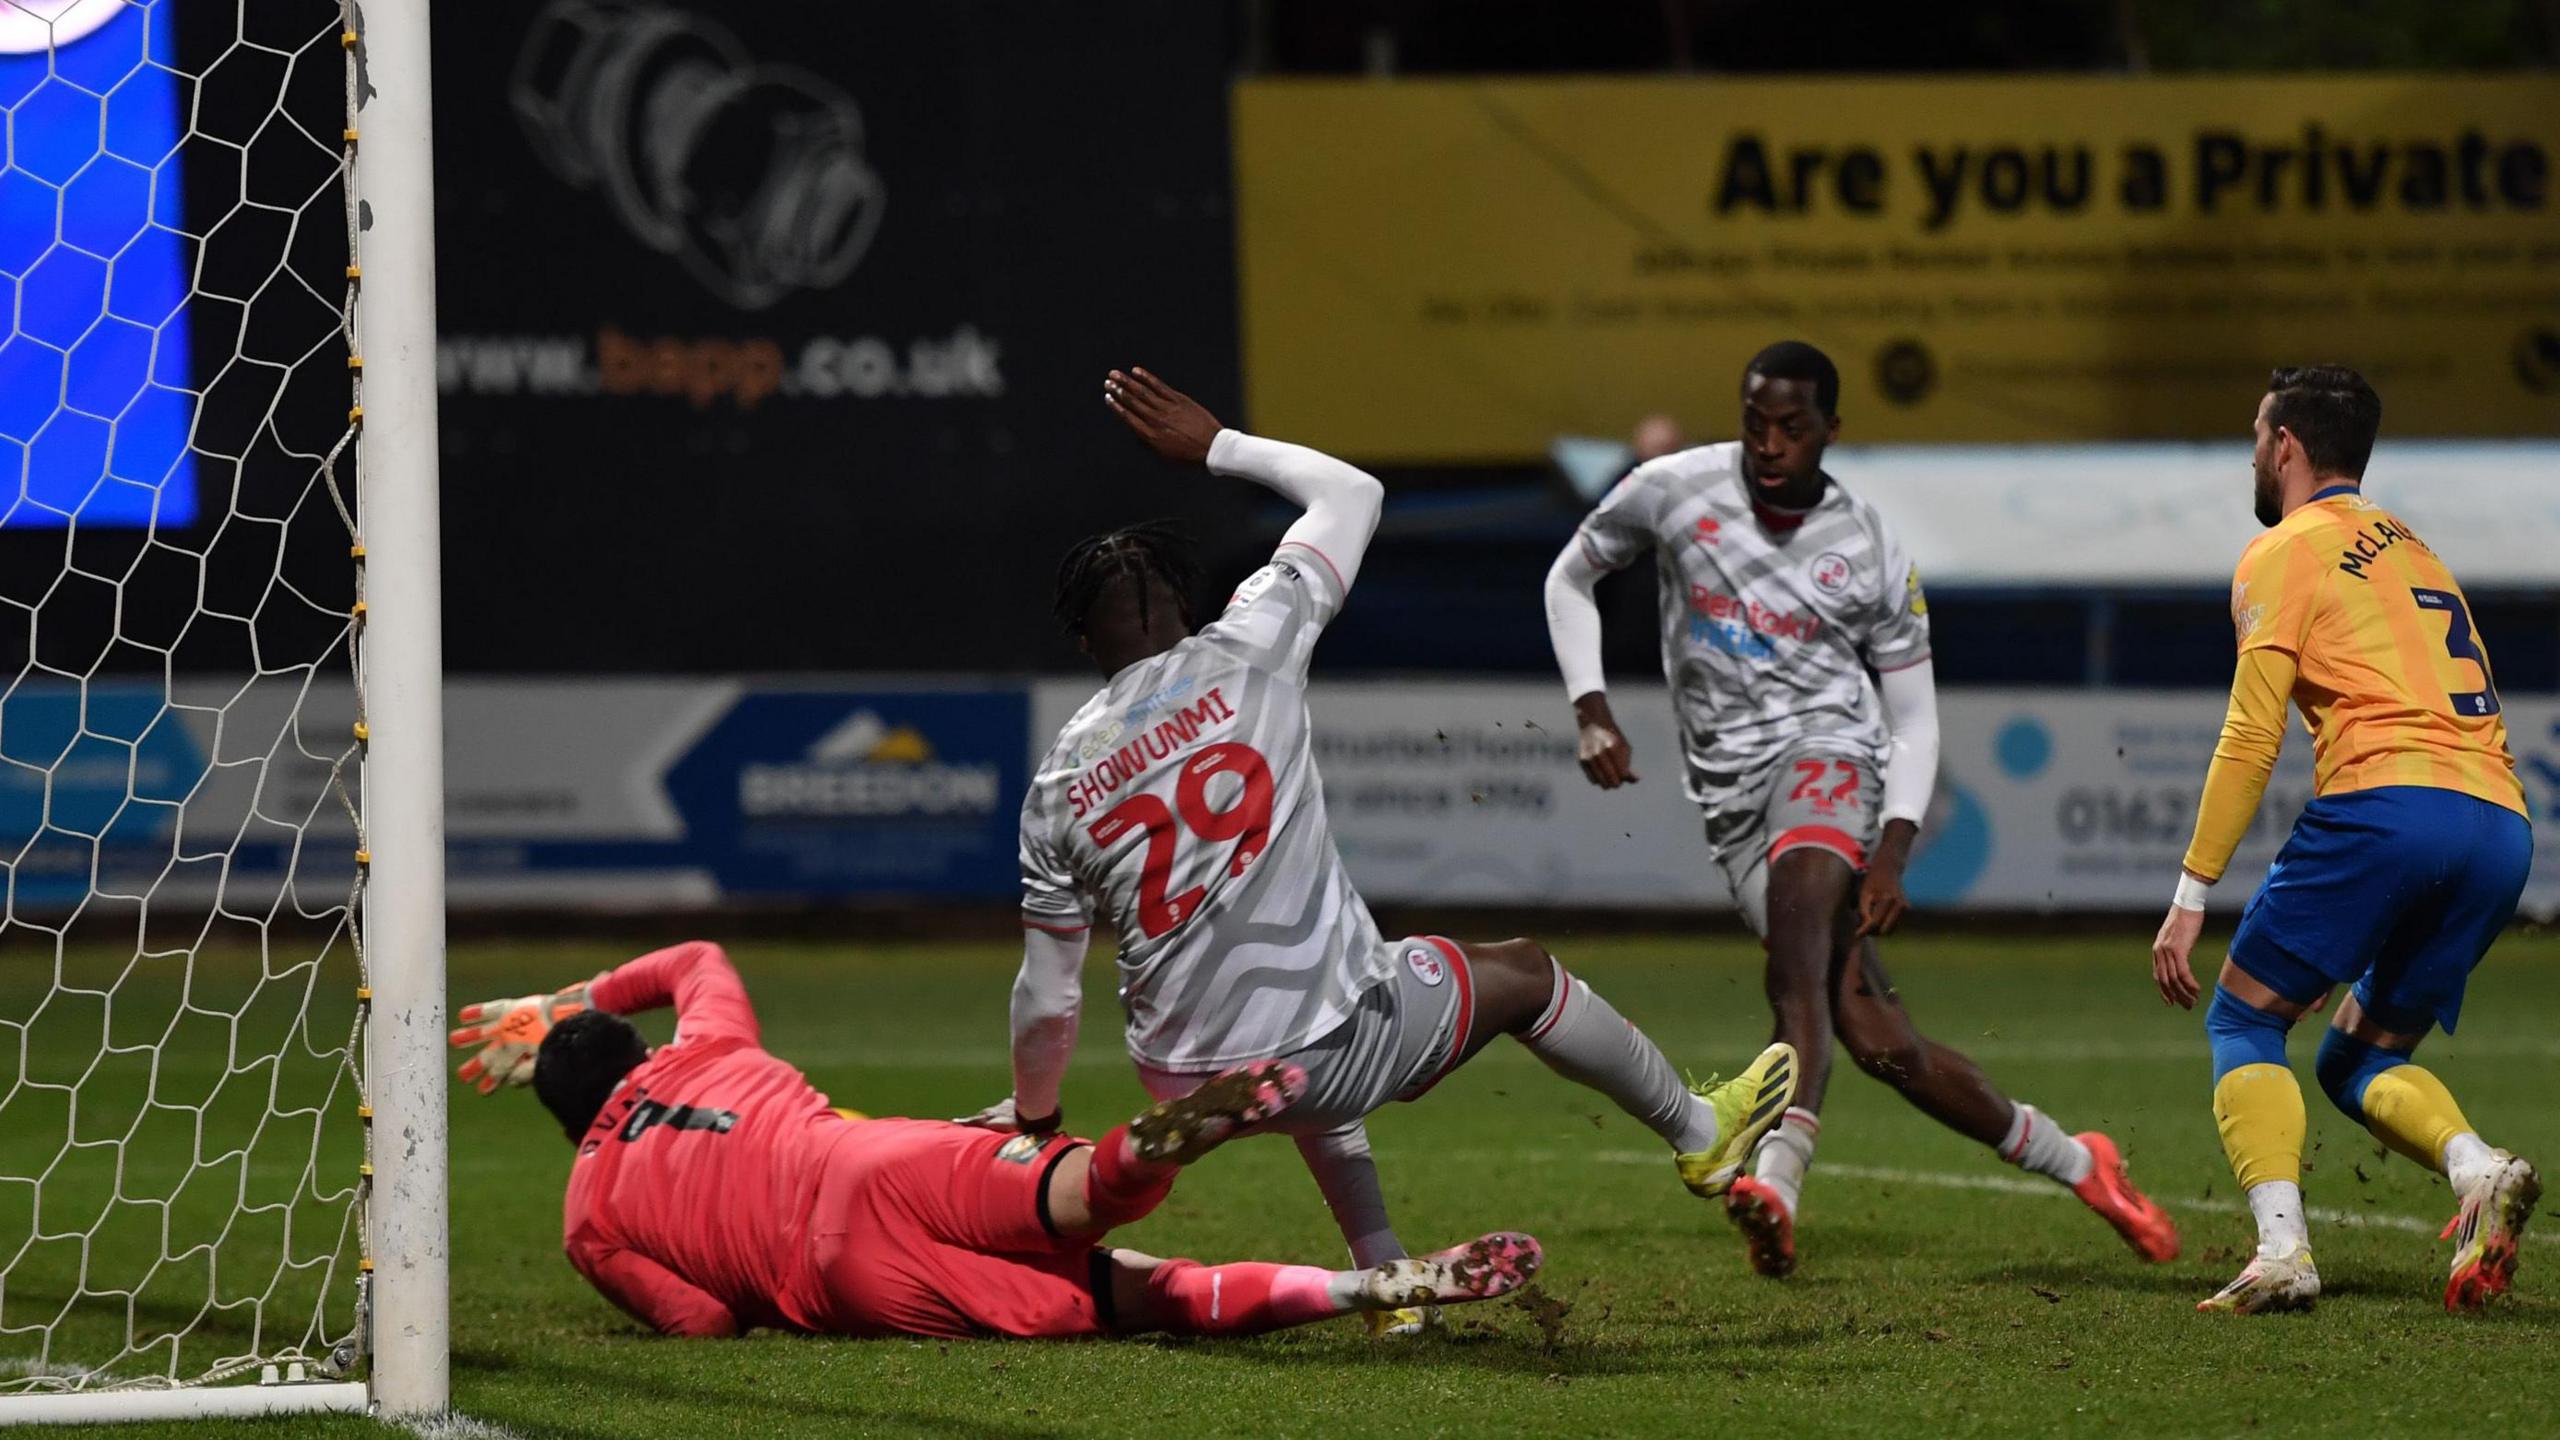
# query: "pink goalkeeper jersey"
{"points": [[690, 1200]]}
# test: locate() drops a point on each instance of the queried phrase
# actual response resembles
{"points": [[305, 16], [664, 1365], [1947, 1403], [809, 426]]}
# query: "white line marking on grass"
{"points": [[27, 1366], [2048, 1190], [1996, 1047], [454, 1425], [1984, 1047]]}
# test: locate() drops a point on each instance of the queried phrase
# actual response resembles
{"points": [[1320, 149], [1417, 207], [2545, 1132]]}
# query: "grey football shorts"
{"points": [[1809, 798], [1403, 1034]]}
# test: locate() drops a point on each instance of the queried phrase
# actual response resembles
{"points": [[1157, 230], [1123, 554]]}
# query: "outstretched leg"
{"points": [[1942, 1083], [1125, 1175], [1949, 1087], [1524, 992], [1185, 1297]]}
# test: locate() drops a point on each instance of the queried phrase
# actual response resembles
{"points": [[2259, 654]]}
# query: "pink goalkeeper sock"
{"points": [[1245, 1298], [1120, 1188]]}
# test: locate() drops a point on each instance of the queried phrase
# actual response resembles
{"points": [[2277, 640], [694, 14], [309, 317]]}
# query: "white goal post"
{"points": [[223, 1178]]}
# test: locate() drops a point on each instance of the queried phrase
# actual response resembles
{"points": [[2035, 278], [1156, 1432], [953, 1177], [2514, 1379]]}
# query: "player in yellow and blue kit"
{"points": [[2399, 874]]}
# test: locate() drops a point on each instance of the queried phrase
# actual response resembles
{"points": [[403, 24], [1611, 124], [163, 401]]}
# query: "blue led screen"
{"points": [[95, 371]]}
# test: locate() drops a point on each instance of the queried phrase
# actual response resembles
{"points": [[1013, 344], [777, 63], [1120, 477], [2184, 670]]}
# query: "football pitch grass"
{"points": [[1941, 1292]]}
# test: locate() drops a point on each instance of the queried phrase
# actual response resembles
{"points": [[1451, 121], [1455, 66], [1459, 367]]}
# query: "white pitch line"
{"points": [[1991, 1047], [33, 1368], [454, 1425], [2048, 1190], [2108, 1051]]}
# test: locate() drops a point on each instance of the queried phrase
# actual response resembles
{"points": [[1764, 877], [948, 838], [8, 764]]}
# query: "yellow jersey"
{"points": [[2390, 673]]}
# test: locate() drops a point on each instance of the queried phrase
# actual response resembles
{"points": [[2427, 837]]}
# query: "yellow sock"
{"points": [[2259, 1108], [2409, 1110]]}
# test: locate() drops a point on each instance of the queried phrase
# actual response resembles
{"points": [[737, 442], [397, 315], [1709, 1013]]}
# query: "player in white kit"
{"points": [[1796, 641], [1183, 802]]}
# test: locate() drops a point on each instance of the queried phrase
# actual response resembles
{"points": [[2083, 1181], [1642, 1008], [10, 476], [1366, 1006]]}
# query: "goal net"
{"points": [[186, 1145]]}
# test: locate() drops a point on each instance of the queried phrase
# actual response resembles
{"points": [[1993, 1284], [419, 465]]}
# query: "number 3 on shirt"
{"points": [[2459, 644], [1246, 819]]}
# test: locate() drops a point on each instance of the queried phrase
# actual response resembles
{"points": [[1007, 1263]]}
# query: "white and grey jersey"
{"points": [[1767, 634], [1183, 800]]}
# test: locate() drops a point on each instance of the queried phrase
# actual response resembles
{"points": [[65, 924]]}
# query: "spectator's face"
{"points": [[1657, 436]]}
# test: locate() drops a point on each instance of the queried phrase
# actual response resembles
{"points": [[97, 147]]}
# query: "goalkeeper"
{"points": [[715, 1191]]}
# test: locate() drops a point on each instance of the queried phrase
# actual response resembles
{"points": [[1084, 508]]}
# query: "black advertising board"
{"points": [[772, 337]]}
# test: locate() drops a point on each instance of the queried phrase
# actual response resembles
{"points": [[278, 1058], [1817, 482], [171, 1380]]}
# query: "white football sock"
{"points": [[1583, 1039], [2038, 1146], [2281, 1227], [2468, 1160], [1785, 1153], [1346, 1288]]}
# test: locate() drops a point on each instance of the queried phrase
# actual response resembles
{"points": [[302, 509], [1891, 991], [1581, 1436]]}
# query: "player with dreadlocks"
{"points": [[1150, 549], [1183, 800]]}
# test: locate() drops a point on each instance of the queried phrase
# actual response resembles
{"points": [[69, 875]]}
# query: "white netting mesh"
{"points": [[181, 1136]]}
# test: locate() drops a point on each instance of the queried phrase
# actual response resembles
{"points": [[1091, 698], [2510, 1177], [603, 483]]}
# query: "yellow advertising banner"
{"points": [[1462, 270]]}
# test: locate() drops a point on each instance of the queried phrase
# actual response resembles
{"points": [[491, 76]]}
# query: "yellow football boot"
{"points": [[1746, 1106]]}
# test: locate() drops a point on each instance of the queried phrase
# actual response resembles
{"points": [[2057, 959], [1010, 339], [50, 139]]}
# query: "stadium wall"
{"points": [[689, 794]]}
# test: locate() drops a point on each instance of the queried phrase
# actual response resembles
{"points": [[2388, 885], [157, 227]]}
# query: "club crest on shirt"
{"points": [[1426, 964], [1710, 530], [1262, 580], [1831, 573], [1019, 1149]]}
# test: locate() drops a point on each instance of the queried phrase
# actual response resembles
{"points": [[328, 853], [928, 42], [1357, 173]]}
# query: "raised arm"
{"points": [[696, 978], [1341, 501]]}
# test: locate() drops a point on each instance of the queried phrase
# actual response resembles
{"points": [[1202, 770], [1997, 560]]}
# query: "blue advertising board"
{"points": [[668, 793], [854, 793]]}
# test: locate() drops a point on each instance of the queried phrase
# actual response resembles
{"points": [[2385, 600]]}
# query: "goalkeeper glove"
{"points": [[509, 1034], [1003, 1116]]}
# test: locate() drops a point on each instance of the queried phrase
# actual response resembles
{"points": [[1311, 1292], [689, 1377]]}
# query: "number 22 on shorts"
{"points": [[1810, 775]]}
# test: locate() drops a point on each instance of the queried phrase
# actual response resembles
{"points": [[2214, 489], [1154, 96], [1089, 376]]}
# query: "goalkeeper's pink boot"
{"points": [[1485, 1268], [1181, 1130]]}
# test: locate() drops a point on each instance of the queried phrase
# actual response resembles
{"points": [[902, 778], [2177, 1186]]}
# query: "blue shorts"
{"points": [[2397, 891]]}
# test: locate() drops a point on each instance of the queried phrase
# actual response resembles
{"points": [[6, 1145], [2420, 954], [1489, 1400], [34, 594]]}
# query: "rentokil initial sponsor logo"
{"points": [[866, 768]]}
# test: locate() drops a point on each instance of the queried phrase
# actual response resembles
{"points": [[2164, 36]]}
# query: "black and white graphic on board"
{"points": [[750, 173]]}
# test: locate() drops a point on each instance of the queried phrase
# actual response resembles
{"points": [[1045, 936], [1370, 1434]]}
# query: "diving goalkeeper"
{"points": [[715, 1191]]}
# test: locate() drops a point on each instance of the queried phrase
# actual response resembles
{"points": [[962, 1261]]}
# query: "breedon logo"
{"points": [[867, 768]]}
